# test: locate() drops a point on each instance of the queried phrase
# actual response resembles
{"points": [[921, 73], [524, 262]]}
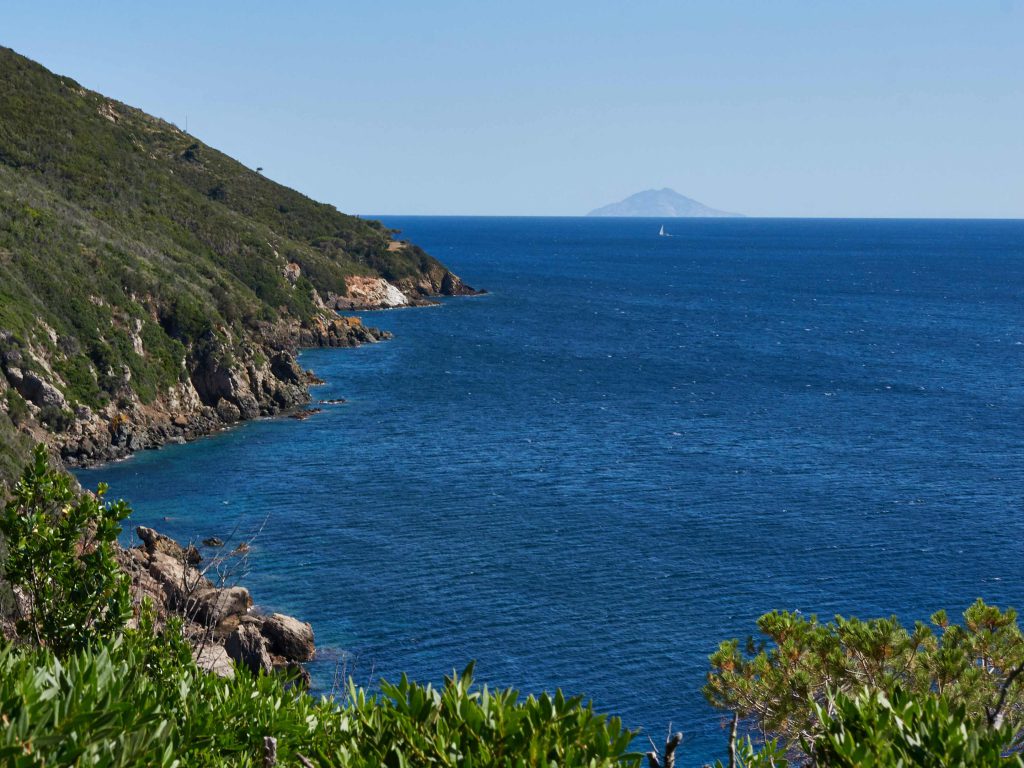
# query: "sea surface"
{"points": [[631, 448]]}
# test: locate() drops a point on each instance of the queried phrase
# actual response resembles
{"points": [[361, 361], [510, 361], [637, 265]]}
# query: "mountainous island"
{"points": [[660, 203], [153, 289]]}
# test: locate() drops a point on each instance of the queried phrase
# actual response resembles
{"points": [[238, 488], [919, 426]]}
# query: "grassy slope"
{"points": [[114, 223]]}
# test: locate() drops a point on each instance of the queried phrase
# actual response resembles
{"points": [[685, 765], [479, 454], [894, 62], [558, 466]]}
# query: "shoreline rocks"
{"points": [[219, 620], [225, 378], [220, 391], [365, 294]]}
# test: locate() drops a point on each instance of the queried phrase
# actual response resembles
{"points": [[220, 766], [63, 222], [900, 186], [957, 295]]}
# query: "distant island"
{"points": [[656, 203]]}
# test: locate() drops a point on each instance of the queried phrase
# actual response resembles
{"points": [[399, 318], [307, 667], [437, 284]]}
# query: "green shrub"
{"points": [[80, 378], [57, 419], [139, 700], [60, 553], [456, 725], [873, 730], [17, 408], [779, 685]]}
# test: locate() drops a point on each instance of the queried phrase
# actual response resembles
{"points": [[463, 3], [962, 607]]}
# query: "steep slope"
{"points": [[152, 288], [659, 203]]}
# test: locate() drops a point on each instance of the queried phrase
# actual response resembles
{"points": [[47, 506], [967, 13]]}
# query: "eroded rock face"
{"points": [[285, 368], [35, 389], [371, 293], [437, 282], [221, 391], [288, 637], [340, 332]]}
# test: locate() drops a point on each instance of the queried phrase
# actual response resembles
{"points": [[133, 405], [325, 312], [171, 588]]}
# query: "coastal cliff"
{"points": [[153, 289]]}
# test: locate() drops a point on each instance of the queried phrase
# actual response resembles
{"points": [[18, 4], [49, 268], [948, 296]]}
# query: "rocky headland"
{"points": [[370, 293], [153, 289]]}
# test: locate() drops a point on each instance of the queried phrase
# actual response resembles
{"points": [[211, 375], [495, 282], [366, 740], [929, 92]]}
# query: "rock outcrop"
{"points": [[370, 293], [247, 646], [288, 637], [218, 619], [340, 332], [223, 387]]}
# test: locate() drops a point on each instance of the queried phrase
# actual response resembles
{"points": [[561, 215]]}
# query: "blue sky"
{"points": [[767, 108]]}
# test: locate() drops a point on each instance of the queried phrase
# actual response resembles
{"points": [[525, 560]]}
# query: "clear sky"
{"points": [[770, 108]]}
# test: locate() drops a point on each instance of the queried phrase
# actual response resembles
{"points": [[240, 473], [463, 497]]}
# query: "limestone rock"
{"points": [[371, 293]]}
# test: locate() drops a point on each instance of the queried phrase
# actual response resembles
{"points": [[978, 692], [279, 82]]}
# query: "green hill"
{"points": [[153, 288]]}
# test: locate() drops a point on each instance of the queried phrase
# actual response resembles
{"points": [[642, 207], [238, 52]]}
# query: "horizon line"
{"points": [[681, 218]]}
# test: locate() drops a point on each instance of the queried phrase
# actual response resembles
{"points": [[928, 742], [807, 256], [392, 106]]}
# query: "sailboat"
{"points": [[662, 232]]}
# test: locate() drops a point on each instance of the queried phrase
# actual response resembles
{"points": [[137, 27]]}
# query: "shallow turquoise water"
{"points": [[632, 448]]}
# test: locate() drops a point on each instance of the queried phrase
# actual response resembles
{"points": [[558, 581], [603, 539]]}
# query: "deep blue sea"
{"points": [[633, 447]]}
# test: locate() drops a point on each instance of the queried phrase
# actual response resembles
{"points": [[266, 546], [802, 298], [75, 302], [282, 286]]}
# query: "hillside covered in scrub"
{"points": [[152, 288]]}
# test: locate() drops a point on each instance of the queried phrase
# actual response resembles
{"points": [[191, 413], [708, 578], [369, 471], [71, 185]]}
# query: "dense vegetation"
{"points": [[860, 692], [126, 246]]}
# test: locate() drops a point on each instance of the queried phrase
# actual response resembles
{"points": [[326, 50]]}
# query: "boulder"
{"points": [[228, 411], [289, 637], [248, 647], [192, 556], [213, 658], [211, 606], [178, 579], [157, 542]]}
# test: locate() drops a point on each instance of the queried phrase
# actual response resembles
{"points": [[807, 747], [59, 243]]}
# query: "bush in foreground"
{"points": [[872, 730], [140, 701], [60, 555], [807, 679]]}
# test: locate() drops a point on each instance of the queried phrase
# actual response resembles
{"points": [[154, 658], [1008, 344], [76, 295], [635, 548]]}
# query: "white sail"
{"points": [[662, 230]]}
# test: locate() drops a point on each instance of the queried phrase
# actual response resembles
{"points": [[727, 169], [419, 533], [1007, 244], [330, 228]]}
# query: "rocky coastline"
{"points": [[223, 388], [193, 584], [228, 381]]}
